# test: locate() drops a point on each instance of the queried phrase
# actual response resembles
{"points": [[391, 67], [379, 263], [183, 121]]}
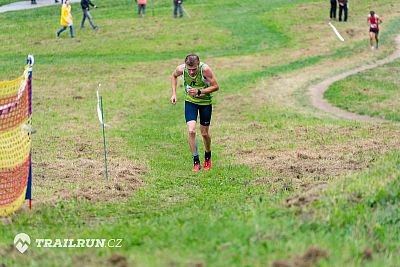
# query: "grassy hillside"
{"points": [[374, 92], [290, 185]]}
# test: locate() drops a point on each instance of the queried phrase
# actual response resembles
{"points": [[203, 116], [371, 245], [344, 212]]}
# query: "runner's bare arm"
{"points": [[174, 82], [209, 75]]}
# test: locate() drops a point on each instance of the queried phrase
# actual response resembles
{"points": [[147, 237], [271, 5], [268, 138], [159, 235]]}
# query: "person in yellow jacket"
{"points": [[66, 19]]}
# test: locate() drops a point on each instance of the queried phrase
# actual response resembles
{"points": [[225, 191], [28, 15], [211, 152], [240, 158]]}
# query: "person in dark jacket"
{"points": [[343, 7], [85, 4], [332, 13], [178, 6]]}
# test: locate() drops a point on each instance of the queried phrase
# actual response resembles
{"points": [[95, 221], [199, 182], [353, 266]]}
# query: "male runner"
{"points": [[199, 84], [373, 21]]}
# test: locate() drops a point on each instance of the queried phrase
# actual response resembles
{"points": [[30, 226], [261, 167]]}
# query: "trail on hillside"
{"points": [[317, 91]]}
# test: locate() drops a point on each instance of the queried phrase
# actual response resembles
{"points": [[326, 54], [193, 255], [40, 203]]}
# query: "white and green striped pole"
{"points": [[100, 113]]}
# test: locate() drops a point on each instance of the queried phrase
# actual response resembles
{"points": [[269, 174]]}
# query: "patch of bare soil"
{"points": [[9, 251], [351, 32], [310, 258], [117, 260], [305, 198], [82, 178], [319, 155], [367, 254], [5, 220]]}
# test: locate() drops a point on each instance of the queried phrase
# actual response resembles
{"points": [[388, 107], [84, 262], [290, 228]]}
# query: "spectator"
{"points": [[178, 6], [343, 7], [141, 8], [85, 4], [332, 13], [66, 19]]}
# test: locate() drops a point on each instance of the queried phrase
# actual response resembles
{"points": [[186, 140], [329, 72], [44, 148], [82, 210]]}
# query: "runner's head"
{"points": [[192, 62], [372, 13]]}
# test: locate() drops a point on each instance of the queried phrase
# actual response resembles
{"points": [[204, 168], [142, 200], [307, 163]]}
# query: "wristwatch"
{"points": [[198, 92]]}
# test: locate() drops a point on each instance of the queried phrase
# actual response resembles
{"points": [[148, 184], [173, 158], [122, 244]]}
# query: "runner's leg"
{"points": [[371, 39], [191, 111], [205, 120], [192, 136]]}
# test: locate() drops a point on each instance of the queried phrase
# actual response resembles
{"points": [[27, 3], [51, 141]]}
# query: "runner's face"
{"points": [[192, 70]]}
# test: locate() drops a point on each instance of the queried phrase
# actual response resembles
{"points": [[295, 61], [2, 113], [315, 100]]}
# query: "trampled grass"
{"points": [[287, 182]]}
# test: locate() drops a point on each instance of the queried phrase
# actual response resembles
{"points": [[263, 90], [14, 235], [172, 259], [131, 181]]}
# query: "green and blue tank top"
{"points": [[198, 82]]}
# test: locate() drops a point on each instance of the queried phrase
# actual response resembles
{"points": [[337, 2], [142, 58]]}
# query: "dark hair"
{"points": [[192, 59], [372, 13]]}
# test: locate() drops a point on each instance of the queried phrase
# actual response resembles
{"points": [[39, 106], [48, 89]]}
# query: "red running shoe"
{"points": [[207, 165], [196, 167]]}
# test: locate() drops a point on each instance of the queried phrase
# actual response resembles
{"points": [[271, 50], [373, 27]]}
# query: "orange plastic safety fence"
{"points": [[13, 110], [15, 143], [13, 183]]}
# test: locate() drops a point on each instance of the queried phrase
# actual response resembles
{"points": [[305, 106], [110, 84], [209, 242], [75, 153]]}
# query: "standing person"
{"points": [[199, 83], [66, 19], [178, 6], [332, 13], [85, 4], [141, 7], [343, 7], [373, 21]]}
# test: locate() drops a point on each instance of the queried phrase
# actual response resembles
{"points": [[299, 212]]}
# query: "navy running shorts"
{"points": [[191, 111], [374, 30]]}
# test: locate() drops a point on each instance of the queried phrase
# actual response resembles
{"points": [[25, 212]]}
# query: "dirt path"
{"points": [[27, 5], [317, 91]]}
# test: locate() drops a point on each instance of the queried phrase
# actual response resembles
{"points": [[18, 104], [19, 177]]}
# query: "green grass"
{"points": [[364, 205], [225, 217], [374, 92], [5, 2]]}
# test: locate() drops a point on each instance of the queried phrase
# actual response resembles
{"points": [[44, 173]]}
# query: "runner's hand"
{"points": [[192, 92], [173, 99]]}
